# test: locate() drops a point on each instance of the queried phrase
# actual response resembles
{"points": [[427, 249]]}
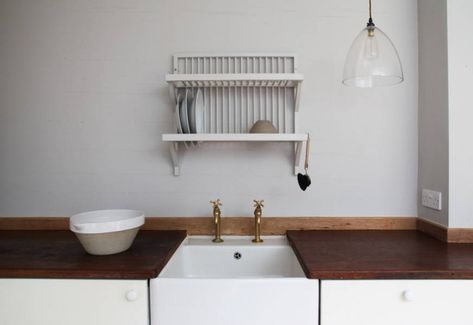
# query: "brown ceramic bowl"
{"points": [[263, 126]]}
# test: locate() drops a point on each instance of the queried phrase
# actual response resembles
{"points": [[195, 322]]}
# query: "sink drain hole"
{"points": [[237, 255]]}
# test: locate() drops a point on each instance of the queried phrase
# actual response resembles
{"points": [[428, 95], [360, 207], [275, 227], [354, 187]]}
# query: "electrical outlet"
{"points": [[432, 199]]}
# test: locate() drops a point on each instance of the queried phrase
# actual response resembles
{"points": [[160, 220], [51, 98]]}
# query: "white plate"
{"points": [[190, 114], [183, 109], [178, 118], [190, 111], [180, 99], [183, 114], [197, 116]]}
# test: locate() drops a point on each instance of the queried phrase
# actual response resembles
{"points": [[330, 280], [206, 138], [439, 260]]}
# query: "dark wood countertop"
{"points": [[58, 254], [324, 254], [377, 254]]}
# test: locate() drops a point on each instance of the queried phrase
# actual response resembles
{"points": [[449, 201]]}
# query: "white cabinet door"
{"points": [[397, 302], [73, 302]]}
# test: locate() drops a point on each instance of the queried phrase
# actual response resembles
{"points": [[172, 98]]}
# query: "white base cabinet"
{"points": [[396, 302], [73, 302], [342, 302]]}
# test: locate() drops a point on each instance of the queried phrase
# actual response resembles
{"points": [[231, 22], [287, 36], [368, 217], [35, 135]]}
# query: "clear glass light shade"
{"points": [[372, 61]]}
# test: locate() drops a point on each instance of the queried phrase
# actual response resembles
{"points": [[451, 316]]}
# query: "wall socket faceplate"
{"points": [[432, 199]]}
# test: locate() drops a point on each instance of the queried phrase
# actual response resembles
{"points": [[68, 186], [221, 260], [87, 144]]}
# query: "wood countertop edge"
{"points": [[162, 264], [437, 259], [137, 273], [391, 275], [300, 259], [76, 274]]}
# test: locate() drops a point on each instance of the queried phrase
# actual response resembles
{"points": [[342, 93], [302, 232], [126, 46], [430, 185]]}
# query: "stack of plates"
{"points": [[190, 113]]}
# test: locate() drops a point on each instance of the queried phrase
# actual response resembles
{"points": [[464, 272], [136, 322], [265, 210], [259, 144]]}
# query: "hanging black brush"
{"points": [[304, 179]]}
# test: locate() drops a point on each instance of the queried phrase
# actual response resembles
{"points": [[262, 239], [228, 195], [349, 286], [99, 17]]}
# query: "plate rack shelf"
{"points": [[237, 91]]}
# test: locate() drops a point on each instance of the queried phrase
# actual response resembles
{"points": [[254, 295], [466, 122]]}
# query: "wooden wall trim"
{"points": [[450, 235], [231, 225], [270, 226], [34, 223], [460, 235], [433, 229], [279, 225]]}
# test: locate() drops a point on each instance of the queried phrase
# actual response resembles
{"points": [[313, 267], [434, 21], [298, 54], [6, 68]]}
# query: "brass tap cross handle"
{"points": [[258, 203], [216, 203]]}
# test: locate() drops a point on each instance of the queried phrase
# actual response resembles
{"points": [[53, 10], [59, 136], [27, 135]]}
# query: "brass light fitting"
{"points": [[370, 25]]}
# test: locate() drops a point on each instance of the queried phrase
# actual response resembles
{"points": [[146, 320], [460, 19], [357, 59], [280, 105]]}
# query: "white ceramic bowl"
{"points": [[105, 232]]}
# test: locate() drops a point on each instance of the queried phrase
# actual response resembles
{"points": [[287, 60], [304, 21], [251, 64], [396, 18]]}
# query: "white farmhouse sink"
{"points": [[236, 282], [236, 257]]}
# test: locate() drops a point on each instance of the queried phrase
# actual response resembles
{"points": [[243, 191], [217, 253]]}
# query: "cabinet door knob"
{"points": [[408, 295], [131, 295]]}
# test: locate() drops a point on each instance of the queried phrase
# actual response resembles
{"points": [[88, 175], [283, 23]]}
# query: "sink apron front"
{"points": [[272, 301]]}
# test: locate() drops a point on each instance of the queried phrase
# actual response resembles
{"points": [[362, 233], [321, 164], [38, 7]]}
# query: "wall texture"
{"points": [[83, 104], [460, 79], [433, 105]]}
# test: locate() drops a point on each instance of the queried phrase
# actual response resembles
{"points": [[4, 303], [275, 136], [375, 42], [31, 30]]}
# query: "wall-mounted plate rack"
{"points": [[283, 80], [237, 91]]}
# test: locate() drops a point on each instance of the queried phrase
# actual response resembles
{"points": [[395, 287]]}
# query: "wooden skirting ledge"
{"points": [[432, 229], [270, 225], [460, 235], [279, 225], [231, 225], [34, 223], [451, 235]]}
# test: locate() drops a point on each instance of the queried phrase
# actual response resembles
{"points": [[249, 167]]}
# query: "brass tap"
{"points": [[258, 214], [217, 219]]}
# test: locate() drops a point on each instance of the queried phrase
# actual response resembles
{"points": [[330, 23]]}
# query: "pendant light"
{"points": [[372, 60]]}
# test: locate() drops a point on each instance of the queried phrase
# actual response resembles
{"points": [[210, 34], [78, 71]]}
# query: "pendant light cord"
{"points": [[370, 9], [370, 21]]}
